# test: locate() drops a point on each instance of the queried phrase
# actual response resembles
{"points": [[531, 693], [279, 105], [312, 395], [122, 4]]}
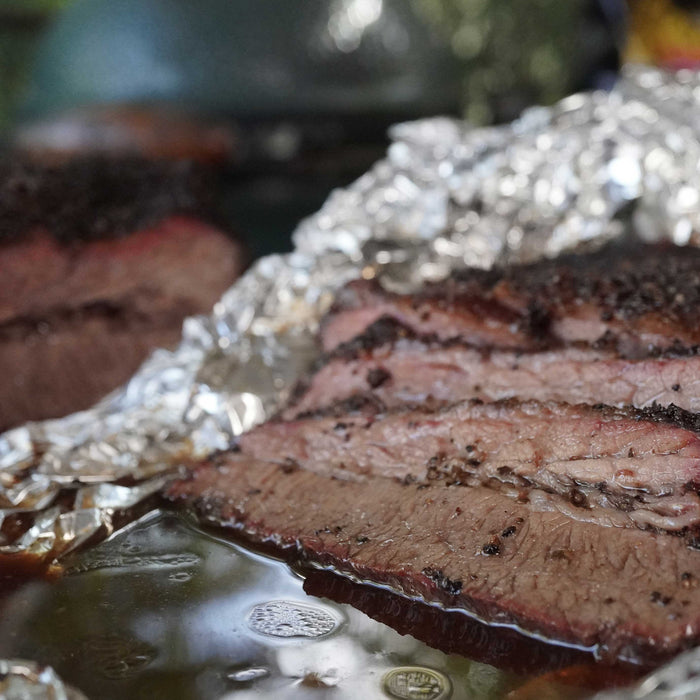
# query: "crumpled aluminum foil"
{"points": [[588, 169], [27, 680]]}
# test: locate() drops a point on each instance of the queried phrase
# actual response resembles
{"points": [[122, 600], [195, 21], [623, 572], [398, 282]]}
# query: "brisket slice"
{"points": [[180, 265], [97, 272], [77, 360], [636, 298], [626, 593], [399, 367], [81, 319], [621, 468]]}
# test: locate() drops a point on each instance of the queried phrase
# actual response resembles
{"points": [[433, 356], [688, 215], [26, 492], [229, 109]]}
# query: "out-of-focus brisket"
{"points": [[638, 299], [178, 266], [100, 263]]}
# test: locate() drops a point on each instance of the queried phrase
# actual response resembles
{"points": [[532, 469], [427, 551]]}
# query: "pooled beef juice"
{"points": [[163, 609]]}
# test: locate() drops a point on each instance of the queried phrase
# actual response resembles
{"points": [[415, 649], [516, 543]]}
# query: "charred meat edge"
{"points": [[401, 366], [619, 295]]}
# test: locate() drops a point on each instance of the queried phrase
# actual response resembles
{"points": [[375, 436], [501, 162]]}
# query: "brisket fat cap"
{"points": [[620, 296], [626, 593], [618, 467]]}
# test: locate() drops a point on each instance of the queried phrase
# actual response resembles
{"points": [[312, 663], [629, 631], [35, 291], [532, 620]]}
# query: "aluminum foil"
{"points": [[27, 680], [586, 170]]}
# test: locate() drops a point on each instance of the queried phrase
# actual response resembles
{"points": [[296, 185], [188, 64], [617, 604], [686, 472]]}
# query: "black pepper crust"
{"points": [[96, 198], [446, 584], [388, 332], [624, 279], [384, 331], [671, 414], [365, 404]]}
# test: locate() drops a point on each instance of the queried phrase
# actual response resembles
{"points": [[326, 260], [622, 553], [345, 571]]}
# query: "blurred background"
{"points": [[290, 99]]}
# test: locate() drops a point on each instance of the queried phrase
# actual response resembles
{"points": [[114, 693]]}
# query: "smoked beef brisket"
{"points": [[520, 444], [616, 467], [637, 299], [629, 593], [398, 366], [616, 327], [100, 263]]}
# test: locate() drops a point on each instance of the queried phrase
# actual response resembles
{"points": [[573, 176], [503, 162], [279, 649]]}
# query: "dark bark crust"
{"points": [[95, 198]]}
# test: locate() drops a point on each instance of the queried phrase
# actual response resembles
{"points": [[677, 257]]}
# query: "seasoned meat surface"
{"points": [[629, 593], [520, 444], [619, 467], [100, 262], [636, 298], [400, 367]]}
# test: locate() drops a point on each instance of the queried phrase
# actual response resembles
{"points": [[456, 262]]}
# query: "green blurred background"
{"points": [[21, 25], [511, 53]]}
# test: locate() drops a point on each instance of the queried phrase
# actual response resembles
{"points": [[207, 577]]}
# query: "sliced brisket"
{"points": [[546, 509], [614, 467], [100, 263], [399, 367], [628, 593], [637, 299]]}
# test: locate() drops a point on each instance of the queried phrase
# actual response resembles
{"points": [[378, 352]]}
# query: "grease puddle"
{"points": [[163, 610]]}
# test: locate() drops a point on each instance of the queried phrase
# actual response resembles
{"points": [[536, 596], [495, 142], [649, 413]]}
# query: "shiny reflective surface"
{"points": [[161, 610]]}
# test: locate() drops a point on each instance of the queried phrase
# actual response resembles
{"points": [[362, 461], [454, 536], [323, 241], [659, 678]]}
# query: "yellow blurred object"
{"points": [[663, 34]]}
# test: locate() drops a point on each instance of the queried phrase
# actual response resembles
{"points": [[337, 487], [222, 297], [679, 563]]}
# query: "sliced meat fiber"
{"points": [[638, 298], [626, 593], [463, 314], [617, 467], [400, 367]]}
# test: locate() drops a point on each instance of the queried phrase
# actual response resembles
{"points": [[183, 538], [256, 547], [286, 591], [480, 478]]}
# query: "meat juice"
{"points": [[162, 609]]}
